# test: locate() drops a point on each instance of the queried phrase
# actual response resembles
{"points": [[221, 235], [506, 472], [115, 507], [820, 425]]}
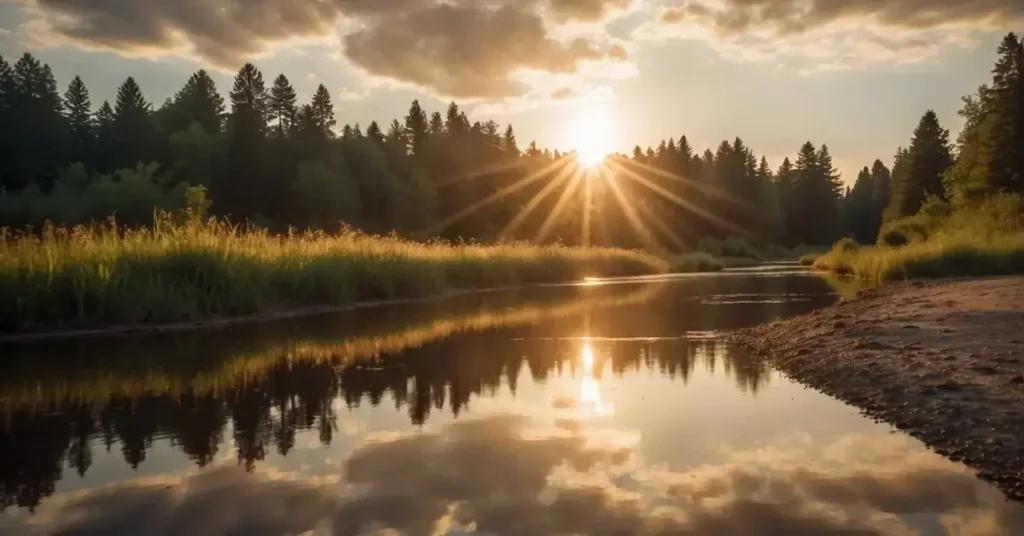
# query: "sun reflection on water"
{"points": [[591, 402]]}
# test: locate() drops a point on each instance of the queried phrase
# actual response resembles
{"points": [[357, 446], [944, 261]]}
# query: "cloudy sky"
{"points": [[855, 74]]}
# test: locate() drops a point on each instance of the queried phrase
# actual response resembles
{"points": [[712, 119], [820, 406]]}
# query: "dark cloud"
{"points": [[785, 17], [464, 51], [503, 476]]}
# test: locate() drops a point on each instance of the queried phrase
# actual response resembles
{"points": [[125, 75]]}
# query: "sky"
{"points": [[853, 74]]}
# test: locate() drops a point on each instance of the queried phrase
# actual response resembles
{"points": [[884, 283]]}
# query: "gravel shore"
{"points": [[942, 361]]}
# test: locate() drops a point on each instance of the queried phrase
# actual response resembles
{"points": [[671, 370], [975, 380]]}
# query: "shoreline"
{"points": [[225, 322], [942, 361], [219, 323]]}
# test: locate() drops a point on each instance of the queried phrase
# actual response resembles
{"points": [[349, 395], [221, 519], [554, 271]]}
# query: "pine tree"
{"points": [[374, 133], [897, 184], [860, 209], [37, 129], [106, 139], [880, 181], [509, 145], [436, 124], [282, 105], [245, 189], [78, 114], [638, 154], [455, 124], [323, 111], [927, 161], [685, 156], [249, 99], [1004, 148], [198, 102], [785, 179], [132, 129], [416, 129], [6, 118]]}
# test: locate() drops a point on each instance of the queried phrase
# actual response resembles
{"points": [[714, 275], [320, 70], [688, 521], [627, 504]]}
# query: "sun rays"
{"points": [[579, 186]]}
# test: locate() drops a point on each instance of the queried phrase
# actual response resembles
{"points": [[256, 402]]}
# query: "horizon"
{"points": [[652, 69]]}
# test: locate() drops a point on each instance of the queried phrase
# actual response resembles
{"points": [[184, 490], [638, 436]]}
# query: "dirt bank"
{"points": [[942, 361]]}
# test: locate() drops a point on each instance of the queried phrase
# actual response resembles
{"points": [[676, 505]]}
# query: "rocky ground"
{"points": [[943, 361]]}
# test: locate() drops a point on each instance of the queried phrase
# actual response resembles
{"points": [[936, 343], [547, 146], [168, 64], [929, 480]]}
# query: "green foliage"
{"points": [[327, 198], [103, 275], [986, 238], [921, 226], [920, 168], [991, 146], [130, 195]]}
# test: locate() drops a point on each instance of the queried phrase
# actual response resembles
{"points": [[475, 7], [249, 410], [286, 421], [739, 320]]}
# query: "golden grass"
{"points": [[103, 275]]}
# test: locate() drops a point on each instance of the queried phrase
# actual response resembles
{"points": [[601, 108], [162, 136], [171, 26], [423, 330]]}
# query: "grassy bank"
{"points": [[986, 239], [713, 255], [102, 275]]}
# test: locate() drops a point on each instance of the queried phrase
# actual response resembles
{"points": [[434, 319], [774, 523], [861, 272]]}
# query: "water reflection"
{"points": [[517, 475], [604, 409]]}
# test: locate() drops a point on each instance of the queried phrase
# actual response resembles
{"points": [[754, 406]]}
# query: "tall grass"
{"points": [[103, 275], [985, 239]]}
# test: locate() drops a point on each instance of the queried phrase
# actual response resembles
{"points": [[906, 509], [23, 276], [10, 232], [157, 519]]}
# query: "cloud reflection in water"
{"points": [[516, 475]]}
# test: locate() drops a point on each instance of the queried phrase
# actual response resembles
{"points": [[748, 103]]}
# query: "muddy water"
{"points": [[611, 407]]}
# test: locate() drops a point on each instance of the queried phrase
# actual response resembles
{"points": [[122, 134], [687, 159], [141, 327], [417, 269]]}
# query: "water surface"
{"points": [[604, 408]]}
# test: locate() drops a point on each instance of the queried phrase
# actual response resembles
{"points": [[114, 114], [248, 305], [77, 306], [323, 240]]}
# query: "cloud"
{"points": [[587, 10], [832, 34], [564, 93], [466, 52], [787, 17], [460, 48], [511, 475]]}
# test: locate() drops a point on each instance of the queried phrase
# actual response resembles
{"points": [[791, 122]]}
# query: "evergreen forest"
{"points": [[266, 157]]}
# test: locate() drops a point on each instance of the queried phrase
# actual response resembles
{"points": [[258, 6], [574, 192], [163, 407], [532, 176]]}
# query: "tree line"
{"points": [[266, 158], [987, 158]]}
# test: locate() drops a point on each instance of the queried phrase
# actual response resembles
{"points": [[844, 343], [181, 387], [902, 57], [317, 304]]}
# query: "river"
{"points": [[609, 407]]}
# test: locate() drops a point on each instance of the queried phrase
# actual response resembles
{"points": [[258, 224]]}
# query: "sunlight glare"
{"points": [[590, 135]]}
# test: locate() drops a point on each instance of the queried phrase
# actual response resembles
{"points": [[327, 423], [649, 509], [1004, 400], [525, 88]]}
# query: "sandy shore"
{"points": [[942, 361]]}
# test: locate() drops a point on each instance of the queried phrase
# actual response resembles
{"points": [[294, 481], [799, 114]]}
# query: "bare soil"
{"points": [[942, 361]]}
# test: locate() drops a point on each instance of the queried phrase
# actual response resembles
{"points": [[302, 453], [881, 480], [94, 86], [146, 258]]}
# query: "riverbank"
{"points": [[89, 278], [943, 361]]}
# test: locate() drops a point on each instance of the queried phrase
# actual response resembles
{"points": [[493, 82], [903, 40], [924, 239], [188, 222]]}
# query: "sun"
{"points": [[590, 136]]}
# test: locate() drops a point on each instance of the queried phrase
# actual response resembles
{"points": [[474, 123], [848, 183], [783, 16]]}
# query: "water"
{"points": [[612, 407]]}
